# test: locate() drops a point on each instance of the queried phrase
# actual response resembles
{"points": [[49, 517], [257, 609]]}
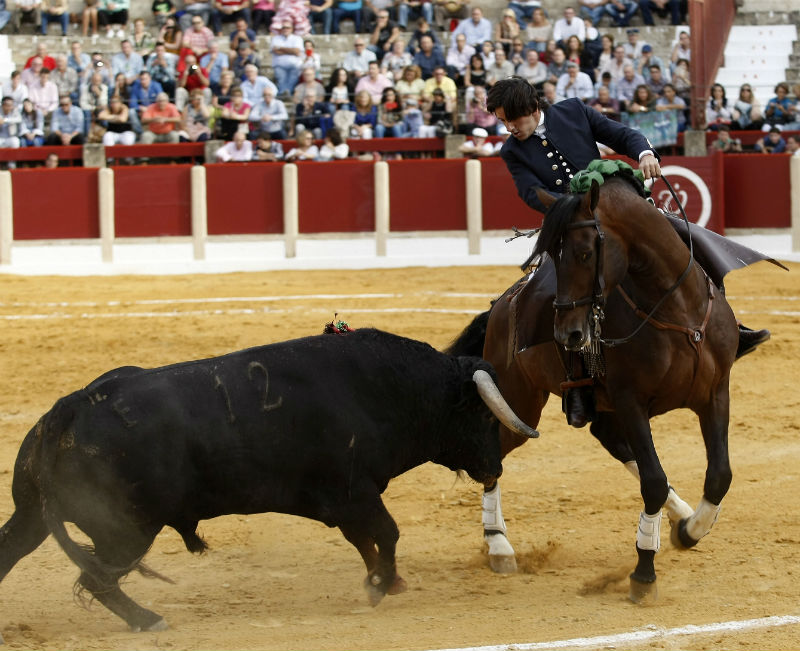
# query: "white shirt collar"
{"points": [[539, 130]]}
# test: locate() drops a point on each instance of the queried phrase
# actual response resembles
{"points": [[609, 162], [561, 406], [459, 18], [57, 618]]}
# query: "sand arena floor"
{"points": [[277, 582]]}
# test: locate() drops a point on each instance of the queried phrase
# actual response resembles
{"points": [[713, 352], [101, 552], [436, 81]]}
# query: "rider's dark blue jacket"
{"points": [[572, 130]]}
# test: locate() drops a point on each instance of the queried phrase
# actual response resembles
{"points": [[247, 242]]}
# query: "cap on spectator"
{"points": [[572, 64], [480, 133], [411, 101], [244, 44], [647, 48], [633, 30]]}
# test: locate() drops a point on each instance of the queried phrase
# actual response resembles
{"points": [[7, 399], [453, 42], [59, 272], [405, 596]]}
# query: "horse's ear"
{"points": [[545, 197], [594, 194], [589, 201]]}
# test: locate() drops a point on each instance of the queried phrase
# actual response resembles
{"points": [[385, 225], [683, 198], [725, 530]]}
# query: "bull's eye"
{"points": [[585, 256]]}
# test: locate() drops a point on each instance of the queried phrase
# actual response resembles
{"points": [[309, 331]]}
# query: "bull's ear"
{"points": [[545, 197]]}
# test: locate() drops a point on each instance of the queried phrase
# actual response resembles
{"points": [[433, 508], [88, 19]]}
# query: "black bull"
{"points": [[314, 427]]}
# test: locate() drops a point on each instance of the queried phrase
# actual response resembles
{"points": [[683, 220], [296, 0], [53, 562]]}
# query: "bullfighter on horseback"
{"points": [[551, 144]]}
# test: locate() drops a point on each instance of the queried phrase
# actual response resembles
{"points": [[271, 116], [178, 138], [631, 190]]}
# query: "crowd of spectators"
{"points": [[416, 69]]}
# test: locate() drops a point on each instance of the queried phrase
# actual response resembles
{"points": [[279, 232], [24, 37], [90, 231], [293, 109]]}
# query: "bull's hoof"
{"points": [[501, 554], [158, 625], [398, 585], [643, 592], [375, 591], [679, 537]]}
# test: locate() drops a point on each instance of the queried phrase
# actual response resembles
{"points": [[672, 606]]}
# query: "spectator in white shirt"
{"points": [[567, 26]]}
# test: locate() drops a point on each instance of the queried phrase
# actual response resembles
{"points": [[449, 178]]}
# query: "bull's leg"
{"points": [[23, 533], [112, 597], [714, 425], [375, 537], [25, 530], [117, 555]]}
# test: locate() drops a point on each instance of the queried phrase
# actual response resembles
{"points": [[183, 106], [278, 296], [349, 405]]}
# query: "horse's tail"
{"points": [[470, 341]]}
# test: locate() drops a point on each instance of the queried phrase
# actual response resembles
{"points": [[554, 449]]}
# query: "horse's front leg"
{"points": [[501, 553], [714, 425], [654, 489]]}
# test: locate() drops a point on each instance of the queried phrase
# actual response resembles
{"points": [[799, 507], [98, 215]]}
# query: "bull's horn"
{"points": [[499, 407]]}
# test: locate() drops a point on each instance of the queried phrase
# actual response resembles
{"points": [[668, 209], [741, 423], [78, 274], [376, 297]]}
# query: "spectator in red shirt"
{"points": [[41, 52], [193, 76], [161, 121]]}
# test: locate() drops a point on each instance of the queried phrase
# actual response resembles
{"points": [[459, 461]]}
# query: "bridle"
{"points": [[598, 300]]}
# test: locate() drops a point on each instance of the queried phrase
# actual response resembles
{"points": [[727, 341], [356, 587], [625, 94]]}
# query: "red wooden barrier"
{"points": [[244, 198], [153, 200], [427, 195], [55, 204], [502, 207], [336, 197], [757, 191]]}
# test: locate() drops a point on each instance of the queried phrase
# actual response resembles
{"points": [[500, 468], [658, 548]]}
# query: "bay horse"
{"points": [[654, 329]]}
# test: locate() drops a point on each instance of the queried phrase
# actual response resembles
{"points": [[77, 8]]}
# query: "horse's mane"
{"points": [[559, 215], [556, 219]]}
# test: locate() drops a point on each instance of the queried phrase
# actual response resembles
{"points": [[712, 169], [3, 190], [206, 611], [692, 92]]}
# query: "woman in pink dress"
{"points": [[295, 12]]}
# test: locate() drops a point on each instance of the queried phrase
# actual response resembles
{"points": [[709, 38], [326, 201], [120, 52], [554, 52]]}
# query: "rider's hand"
{"points": [[649, 167]]}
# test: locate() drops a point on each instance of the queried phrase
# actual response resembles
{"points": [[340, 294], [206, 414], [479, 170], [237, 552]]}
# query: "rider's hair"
{"points": [[515, 95]]}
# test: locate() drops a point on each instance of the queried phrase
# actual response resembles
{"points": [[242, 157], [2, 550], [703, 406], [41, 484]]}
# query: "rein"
{"points": [[597, 300]]}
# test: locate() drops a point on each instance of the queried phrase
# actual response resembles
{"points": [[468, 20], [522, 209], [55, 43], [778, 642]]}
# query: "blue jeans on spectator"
{"points": [[395, 131], [5, 16], [325, 17], [594, 14], [217, 18], [339, 13], [52, 18], [673, 7], [404, 12], [523, 12], [37, 141], [622, 18], [285, 77]]}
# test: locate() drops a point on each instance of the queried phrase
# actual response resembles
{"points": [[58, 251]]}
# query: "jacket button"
{"points": [[544, 143], [549, 154], [555, 167], [559, 181]]}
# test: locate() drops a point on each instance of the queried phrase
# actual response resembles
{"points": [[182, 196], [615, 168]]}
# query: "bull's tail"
{"points": [[55, 434], [470, 341]]}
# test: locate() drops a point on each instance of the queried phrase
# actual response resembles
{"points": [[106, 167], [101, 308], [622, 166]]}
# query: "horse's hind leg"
{"points": [[714, 425]]}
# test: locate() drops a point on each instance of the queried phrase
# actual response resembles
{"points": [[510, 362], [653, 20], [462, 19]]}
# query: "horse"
{"points": [[655, 333]]}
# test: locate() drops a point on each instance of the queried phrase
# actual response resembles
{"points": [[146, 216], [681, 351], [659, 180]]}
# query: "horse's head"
{"points": [[573, 236]]}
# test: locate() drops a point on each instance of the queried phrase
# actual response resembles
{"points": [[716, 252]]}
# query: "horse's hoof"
{"points": [[503, 564], [398, 585], [643, 592], [679, 537], [501, 554]]}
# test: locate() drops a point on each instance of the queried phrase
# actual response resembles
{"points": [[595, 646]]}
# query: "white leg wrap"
{"points": [[649, 534], [701, 521], [677, 509], [492, 511], [633, 468]]}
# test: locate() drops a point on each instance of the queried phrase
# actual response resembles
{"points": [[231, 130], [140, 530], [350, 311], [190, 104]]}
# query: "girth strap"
{"points": [[696, 336]]}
